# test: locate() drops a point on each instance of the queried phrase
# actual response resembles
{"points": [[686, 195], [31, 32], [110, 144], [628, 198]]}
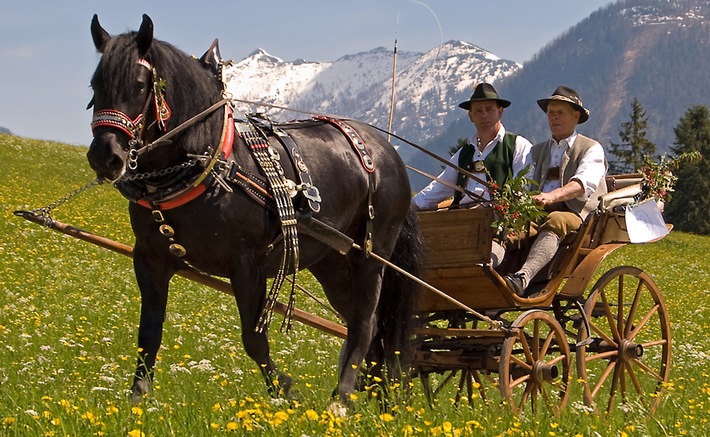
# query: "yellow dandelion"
{"points": [[216, 407], [7, 421], [214, 425], [386, 417], [311, 415], [136, 433], [232, 426], [353, 397], [138, 411]]}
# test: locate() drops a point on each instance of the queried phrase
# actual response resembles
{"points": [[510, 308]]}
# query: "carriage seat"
{"points": [[619, 181], [621, 191]]}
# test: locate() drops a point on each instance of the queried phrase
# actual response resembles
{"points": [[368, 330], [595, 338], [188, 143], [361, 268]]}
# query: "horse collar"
{"points": [[173, 198]]}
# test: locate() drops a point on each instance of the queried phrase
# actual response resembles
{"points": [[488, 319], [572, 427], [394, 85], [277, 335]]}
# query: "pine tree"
{"points": [[689, 206], [634, 145]]}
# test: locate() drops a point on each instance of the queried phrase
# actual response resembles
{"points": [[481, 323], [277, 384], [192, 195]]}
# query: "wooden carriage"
{"points": [[473, 327]]}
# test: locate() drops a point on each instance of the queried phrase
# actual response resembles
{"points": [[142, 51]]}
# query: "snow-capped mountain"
{"points": [[427, 89]]}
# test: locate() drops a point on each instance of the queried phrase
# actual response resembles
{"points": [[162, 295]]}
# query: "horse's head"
{"points": [[127, 98]]}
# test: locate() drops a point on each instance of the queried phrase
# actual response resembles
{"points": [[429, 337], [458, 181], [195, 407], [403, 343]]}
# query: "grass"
{"points": [[69, 315]]}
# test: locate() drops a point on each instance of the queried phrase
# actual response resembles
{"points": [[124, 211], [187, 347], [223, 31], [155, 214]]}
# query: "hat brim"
{"points": [[583, 112], [467, 104]]}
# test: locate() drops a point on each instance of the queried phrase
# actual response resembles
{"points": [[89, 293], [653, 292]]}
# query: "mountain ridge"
{"points": [[427, 88]]}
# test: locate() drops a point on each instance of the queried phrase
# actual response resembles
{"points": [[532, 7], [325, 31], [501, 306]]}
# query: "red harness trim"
{"points": [[199, 187], [356, 141], [117, 119]]}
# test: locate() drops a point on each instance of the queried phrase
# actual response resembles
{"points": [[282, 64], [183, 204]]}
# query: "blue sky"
{"points": [[47, 55]]}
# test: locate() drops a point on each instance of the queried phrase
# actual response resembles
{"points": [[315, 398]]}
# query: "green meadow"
{"points": [[69, 315]]}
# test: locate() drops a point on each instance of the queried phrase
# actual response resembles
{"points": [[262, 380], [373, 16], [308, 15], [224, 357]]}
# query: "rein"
{"points": [[164, 140], [416, 146]]}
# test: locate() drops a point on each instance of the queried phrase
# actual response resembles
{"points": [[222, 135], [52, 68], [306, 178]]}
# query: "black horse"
{"points": [[195, 202]]}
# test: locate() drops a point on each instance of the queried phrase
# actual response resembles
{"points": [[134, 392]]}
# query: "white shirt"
{"points": [[436, 192], [590, 171]]}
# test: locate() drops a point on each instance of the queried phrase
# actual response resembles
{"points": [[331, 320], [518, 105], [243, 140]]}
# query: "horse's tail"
{"points": [[399, 297]]}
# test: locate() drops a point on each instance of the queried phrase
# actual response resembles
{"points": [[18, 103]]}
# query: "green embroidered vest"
{"points": [[499, 162]]}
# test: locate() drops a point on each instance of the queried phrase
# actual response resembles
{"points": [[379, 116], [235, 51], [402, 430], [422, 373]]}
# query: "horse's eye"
{"points": [[141, 87]]}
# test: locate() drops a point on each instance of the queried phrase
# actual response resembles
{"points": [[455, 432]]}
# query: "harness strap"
{"points": [[119, 120], [355, 140], [310, 191], [358, 144], [268, 160]]}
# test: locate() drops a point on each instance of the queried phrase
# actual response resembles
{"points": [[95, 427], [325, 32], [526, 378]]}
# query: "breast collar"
{"points": [[195, 188]]}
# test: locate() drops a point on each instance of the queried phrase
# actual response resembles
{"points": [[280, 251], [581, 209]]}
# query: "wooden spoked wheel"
{"points": [[535, 364], [627, 354]]}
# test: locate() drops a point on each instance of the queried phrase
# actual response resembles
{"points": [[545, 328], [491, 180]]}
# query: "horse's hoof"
{"points": [[281, 387], [140, 389]]}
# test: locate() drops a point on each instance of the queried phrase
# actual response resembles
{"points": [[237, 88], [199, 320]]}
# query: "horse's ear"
{"points": [[212, 58], [98, 33], [145, 35]]}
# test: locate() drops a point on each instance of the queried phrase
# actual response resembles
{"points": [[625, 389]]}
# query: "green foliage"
{"points": [[69, 315], [514, 205], [658, 178], [688, 209], [634, 144]]}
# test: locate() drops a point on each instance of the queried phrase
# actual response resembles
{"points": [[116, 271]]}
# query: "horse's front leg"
{"points": [[249, 289], [153, 279]]}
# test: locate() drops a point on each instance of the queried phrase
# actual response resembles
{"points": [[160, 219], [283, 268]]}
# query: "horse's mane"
{"points": [[190, 88]]}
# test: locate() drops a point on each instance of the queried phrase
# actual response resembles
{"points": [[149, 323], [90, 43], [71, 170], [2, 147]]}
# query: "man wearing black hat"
{"points": [[570, 170], [491, 151]]}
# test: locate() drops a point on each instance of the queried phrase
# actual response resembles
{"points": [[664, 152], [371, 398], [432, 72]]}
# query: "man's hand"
{"points": [[571, 190], [544, 199]]}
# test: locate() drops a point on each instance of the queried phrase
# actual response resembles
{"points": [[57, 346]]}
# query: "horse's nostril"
{"points": [[115, 163]]}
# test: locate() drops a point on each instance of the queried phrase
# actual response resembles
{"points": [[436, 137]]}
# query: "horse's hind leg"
{"points": [[249, 289], [352, 285]]}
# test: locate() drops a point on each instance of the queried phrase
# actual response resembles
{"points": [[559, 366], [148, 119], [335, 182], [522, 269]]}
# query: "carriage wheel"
{"points": [[628, 351], [535, 364]]}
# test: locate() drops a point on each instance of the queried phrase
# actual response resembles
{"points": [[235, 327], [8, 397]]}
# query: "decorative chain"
{"points": [[47, 210], [268, 160], [161, 172]]}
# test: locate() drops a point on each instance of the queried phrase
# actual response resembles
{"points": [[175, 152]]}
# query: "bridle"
{"points": [[136, 128]]}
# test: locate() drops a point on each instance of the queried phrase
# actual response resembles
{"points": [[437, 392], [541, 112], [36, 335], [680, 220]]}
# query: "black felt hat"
{"points": [[566, 94], [484, 91]]}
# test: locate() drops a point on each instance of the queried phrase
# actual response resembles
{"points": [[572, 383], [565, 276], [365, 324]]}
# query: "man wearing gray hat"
{"points": [[570, 170]]}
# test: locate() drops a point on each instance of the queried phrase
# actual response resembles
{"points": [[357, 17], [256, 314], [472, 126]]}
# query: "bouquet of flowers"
{"points": [[658, 179], [513, 204]]}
